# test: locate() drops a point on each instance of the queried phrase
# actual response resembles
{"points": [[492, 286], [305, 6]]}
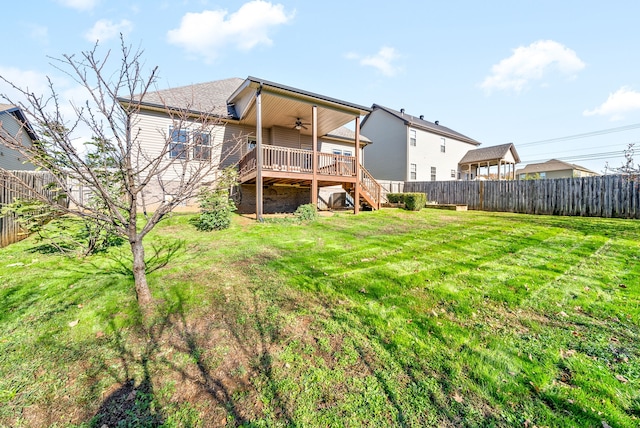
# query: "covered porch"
{"points": [[274, 160], [490, 163]]}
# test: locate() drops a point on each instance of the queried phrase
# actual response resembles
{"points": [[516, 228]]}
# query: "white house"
{"points": [[410, 148], [15, 124]]}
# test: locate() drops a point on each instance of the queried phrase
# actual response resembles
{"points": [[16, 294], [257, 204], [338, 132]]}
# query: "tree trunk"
{"points": [[139, 274]]}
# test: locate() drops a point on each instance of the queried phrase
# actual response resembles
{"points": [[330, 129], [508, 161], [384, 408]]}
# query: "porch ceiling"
{"points": [[282, 106]]}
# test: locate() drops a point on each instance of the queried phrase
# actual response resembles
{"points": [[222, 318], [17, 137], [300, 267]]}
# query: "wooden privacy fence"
{"points": [[604, 196], [12, 187]]}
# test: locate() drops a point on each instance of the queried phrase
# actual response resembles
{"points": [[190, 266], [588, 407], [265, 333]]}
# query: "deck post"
{"points": [[314, 144], [356, 192], [259, 154]]}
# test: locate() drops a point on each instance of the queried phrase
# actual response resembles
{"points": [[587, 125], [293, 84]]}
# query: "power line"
{"points": [[589, 156], [584, 135]]}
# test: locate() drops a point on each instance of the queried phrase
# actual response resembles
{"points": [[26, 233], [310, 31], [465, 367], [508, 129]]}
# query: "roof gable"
{"points": [[19, 115], [487, 154], [552, 165], [420, 123]]}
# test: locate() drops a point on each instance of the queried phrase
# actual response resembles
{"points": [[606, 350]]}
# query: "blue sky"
{"points": [[528, 72]]}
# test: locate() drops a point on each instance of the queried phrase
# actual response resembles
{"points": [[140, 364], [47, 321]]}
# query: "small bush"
{"points": [[415, 201], [216, 207], [395, 198], [216, 210], [412, 201], [307, 212]]}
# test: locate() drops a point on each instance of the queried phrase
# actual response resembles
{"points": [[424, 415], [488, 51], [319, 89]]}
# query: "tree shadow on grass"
{"points": [[159, 256], [181, 349]]}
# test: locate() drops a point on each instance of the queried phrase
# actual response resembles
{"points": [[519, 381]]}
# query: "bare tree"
{"points": [[118, 168]]}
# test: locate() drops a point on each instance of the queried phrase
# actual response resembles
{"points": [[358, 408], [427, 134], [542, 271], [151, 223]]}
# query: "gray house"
{"points": [[410, 148], [15, 124]]}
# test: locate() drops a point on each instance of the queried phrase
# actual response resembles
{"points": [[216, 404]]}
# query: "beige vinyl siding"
{"points": [[230, 153], [151, 131], [328, 146], [290, 138], [12, 160]]}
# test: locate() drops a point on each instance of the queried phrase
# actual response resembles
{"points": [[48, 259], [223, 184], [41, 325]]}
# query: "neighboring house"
{"points": [[553, 169], [409, 148], [15, 124], [490, 163], [303, 144]]}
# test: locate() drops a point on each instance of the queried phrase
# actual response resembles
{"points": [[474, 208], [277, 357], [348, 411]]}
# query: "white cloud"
{"points": [[31, 81], [37, 83], [531, 63], [208, 32], [383, 60], [105, 29], [79, 4], [622, 101]]}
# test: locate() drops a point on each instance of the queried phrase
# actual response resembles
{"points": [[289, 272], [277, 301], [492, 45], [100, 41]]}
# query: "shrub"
{"points": [[215, 210], [307, 212], [412, 201], [395, 198], [415, 201], [216, 207]]}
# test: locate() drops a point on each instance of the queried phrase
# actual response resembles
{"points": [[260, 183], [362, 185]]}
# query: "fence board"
{"points": [[11, 189], [603, 196]]}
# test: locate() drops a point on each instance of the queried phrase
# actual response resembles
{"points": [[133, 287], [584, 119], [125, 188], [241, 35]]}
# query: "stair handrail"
{"points": [[369, 184]]}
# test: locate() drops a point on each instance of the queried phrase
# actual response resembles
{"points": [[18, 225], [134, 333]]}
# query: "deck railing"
{"points": [[371, 186], [283, 159], [275, 158]]}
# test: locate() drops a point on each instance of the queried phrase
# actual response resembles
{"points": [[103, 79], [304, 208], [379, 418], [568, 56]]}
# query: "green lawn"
{"points": [[389, 318]]}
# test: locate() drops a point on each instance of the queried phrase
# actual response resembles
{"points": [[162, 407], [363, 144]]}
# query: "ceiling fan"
{"points": [[300, 124]]}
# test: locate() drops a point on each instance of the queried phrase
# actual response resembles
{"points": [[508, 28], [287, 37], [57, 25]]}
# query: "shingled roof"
{"points": [[209, 97], [552, 165], [212, 98], [487, 154], [417, 122]]}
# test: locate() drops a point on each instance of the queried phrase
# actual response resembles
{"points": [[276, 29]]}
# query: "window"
{"points": [[201, 146], [177, 146], [413, 171], [543, 175], [433, 173], [523, 176], [341, 152], [443, 145], [453, 173], [412, 137], [251, 143]]}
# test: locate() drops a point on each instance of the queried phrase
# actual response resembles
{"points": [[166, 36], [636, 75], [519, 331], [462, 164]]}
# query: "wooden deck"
{"points": [[282, 165]]}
